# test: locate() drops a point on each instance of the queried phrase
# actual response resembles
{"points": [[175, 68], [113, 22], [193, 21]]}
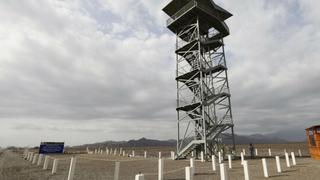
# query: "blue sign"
{"points": [[51, 148]]}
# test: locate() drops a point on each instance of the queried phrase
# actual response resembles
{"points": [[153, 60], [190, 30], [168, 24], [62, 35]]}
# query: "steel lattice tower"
{"points": [[203, 95]]}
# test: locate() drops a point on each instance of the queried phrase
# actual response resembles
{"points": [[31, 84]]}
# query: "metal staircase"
{"points": [[203, 95]]}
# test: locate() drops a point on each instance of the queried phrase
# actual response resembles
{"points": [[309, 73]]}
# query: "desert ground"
{"points": [[101, 166]]}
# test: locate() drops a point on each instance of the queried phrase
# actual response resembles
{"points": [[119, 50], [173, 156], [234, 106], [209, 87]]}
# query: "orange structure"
{"points": [[313, 136]]}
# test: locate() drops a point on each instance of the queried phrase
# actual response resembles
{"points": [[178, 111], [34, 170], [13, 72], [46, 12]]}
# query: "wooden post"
{"points": [[72, 168], [265, 168], [116, 171], [278, 164]]}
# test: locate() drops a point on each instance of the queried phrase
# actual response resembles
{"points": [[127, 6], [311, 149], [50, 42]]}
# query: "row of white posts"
{"points": [[190, 170], [122, 152], [37, 159], [269, 152]]}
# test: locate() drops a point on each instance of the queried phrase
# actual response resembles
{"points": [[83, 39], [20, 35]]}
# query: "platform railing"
{"points": [[184, 9]]}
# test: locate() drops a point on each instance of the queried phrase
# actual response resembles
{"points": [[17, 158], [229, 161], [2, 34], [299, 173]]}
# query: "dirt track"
{"points": [[101, 167]]}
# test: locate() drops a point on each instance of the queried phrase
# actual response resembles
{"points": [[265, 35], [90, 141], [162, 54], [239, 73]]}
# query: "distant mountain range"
{"points": [[240, 139]]}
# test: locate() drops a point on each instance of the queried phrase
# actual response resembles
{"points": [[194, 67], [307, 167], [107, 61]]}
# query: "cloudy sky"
{"points": [[85, 71]]}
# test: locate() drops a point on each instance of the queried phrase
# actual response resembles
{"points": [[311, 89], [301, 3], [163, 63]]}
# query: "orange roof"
{"points": [[315, 126]]}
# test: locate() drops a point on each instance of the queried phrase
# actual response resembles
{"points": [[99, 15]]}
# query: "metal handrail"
{"points": [[184, 9]]}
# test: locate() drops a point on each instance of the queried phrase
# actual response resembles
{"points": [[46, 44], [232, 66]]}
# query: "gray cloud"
{"points": [[86, 71]]}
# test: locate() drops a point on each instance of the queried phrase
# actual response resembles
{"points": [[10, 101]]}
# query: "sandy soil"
{"points": [[101, 167]]}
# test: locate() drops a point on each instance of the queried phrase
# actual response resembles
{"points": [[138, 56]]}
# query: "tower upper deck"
{"points": [[182, 11]]}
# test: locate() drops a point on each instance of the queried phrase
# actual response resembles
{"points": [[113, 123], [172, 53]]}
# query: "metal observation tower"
{"points": [[203, 96]]}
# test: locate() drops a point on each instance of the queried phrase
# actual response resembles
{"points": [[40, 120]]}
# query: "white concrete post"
{"points": [[139, 177], [124, 153], [189, 175], [55, 166], [300, 154], [133, 155], [244, 152], [278, 164], [160, 156], [116, 171], [265, 168], [242, 158], [230, 161], [192, 153], [115, 152], [34, 158], [256, 152], [192, 165], [72, 168], [107, 150], [46, 162], [95, 151], [40, 159], [293, 157], [28, 156], [269, 152], [25, 154], [172, 155], [120, 152], [220, 158], [160, 169], [31, 157], [213, 158], [287, 159], [202, 156], [110, 151], [246, 170], [223, 172], [145, 154]]}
